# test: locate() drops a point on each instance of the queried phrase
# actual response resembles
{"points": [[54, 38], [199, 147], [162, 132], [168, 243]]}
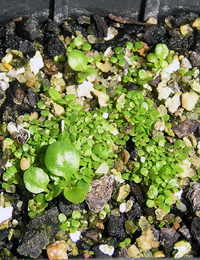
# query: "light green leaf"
{"points": [[36, 180]]}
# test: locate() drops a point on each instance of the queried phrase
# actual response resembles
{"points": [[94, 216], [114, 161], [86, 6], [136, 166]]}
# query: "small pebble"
{"points": [[5, 213], [133, 251], [58, 110], [102, 97], [189, 100], [36, 63], [196, 23], [112, 32], [25, 163], [186, 30], [84, 89], [75, 236], [7, 58], [159, 254], [106, 249], [57, 250]]}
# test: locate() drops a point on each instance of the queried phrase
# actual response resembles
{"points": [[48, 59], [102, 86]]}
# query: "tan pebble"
{"points": [[105, 67], [189, 100], [58, 110], [33, 116], [147, 241], [133, 251], [57, 250], [196, 23], [176, 225], [102, 97], [25, 163], [30, 83], [159, 254], [99, 224], [7, 66], [152, 20], [125, 155]]}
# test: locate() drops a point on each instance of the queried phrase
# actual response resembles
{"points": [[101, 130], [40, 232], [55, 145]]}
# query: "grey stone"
{"points": [[39, 233], [101, 193]]}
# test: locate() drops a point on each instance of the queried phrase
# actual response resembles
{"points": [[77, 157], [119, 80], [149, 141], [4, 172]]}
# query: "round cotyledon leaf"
{"points": [[77, 60], [75, 194], [36, 180], [62, 159]]}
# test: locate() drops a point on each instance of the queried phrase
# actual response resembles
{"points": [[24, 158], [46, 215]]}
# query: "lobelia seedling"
{"points": [[78, 61], [62, 161], [161, 57]]}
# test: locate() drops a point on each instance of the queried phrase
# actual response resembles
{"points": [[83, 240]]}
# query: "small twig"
{"points": [[120, 19]]}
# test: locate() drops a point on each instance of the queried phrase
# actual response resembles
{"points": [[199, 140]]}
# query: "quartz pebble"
{"points": [[58, 110], [182, 249], [112, 32], [102, 97], [84, 89], [106, 249], [5, 213], [173, 103], [189, 100], [25, 163]]}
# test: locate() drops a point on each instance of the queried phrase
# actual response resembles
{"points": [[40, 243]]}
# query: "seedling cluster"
{"points": [[66, 150]]}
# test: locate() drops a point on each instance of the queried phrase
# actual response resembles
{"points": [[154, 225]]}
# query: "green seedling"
{"points": [[161, 57], [71, 224], [78, 61], [62, 159], [125, 243]]}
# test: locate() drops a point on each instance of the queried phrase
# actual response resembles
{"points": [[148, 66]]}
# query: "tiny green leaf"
{"points": [[161, 51], [54, 94], [152, 192], [77, 60], [36, 180]]}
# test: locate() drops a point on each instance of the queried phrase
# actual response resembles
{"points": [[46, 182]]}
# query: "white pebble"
{"points": [[108, 52], [4, 85], [20, 71], [181, 207], [75, 236], [106, 249], [2, 75], [36, 63], [105, 115], [189, 100], [84, 89], [12, 73], [173, 103], [174, 66], [5, 213], [122, 207], [11, 127], [185, 64], [112, 32]]}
